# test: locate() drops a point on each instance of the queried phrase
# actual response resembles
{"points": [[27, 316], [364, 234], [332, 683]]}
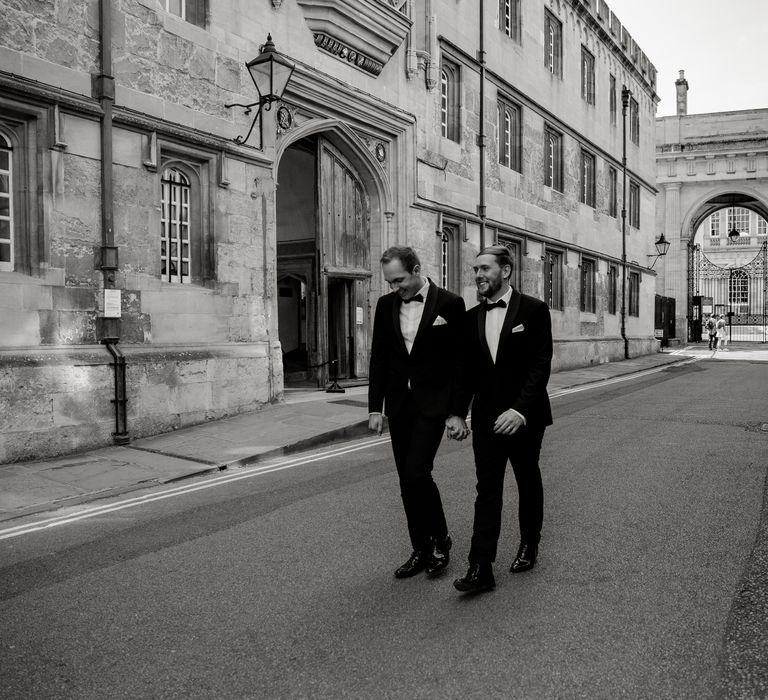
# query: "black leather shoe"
{"points": [[479, 578], [416, 564], [525, 559], [440, 557]]}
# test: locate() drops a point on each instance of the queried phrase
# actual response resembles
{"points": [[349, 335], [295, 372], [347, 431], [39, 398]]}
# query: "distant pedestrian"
{"points": [[722, 339], [711, 326]]}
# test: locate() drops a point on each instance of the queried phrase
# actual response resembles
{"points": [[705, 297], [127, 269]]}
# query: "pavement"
{"points": [[305, 419]]}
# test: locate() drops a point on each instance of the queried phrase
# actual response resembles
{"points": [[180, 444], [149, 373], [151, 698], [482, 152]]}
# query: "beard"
{"points": [[490, 287]]}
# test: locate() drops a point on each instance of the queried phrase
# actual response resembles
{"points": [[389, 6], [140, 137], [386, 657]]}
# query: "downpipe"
{"points": [[120, 402], [104, 91]]}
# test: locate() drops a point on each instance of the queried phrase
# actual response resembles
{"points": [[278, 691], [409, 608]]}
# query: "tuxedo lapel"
{"points": [[509, 320], [481, 311], [396, 301], [430, 304]]}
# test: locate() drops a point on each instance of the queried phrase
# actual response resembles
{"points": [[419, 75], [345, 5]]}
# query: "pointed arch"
{"points": [[349, 143]]}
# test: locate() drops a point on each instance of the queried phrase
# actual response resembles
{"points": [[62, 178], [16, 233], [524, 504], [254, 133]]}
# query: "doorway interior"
{"points": [[323, 268]]}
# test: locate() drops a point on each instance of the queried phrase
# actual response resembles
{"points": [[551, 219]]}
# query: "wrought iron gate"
{"points": [[739, 293]]}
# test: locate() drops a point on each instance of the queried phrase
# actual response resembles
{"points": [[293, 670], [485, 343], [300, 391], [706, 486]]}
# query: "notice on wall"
{"points": [[359, 315], [112, 303]]}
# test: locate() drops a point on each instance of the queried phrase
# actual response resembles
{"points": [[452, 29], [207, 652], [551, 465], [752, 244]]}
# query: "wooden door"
{"points": [[344, 249]]}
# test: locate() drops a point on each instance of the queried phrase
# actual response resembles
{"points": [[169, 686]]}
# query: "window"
{"points": [[588, 286], [175, 253], [515, 252], [762, 229], [7, 253], [553, 159], [509, 135], [587, 179], [714, 224], [634, 121], [613, 206], [738, 291], [192, 11], [449, 100], [613, 286], [612, 98], [738, 218], [553, 44], [509, 18], [634, 293], [553, 274], [450, 263], [587, 76], [634, 204]]}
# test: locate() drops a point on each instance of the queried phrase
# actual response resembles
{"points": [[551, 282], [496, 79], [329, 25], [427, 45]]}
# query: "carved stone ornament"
{"points": [[380, 151], [365, 33], [284, 119], [276, 4]]}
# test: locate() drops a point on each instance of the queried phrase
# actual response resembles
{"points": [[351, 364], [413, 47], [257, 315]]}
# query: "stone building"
{"points": [[712, 175], [157, 271]]}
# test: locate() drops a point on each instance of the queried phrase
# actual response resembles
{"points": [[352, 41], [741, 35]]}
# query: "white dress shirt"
{"points": [[410, 317], [494, 320]]}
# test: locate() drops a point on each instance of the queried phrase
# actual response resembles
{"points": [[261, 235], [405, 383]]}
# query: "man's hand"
{"points": [[376, 422], [456, 428], [508, 423]]}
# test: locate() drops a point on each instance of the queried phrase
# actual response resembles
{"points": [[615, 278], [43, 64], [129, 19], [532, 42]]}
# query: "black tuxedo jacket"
{"points": [[434, 365], [518, 379]]}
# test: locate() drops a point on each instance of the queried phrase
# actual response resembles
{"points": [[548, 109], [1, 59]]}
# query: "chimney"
{"points": [[681, 84]]}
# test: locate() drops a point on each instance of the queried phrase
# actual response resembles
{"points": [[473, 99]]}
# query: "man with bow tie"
{"points": [[415, 379], [508, 340]]}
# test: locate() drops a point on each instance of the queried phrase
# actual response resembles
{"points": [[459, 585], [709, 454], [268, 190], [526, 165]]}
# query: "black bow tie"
{"points": [[500, 304], [415, 297]]}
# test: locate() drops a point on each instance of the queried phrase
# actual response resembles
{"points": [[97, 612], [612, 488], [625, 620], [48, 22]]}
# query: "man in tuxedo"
{"points": [[508, 339], [414, 378]]}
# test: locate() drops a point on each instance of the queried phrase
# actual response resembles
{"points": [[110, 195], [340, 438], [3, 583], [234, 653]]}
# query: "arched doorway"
{"points": [[323, 264], [728, 267]]}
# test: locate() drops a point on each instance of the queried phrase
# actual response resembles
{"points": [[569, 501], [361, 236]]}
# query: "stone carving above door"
{"points": [[364, 33]]}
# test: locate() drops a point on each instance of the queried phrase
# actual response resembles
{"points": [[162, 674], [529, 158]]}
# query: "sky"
{"points": [[721, 46]]}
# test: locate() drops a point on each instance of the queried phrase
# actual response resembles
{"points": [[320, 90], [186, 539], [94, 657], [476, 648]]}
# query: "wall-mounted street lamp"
{"points": [[270, 72], [733, 234], [662, 246]]}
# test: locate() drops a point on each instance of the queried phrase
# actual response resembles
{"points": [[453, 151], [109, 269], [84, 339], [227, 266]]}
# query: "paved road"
{"points": [[280, 584]]}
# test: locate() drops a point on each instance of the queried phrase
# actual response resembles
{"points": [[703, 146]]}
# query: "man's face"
{"points": [[405, 283], [489, 275]]}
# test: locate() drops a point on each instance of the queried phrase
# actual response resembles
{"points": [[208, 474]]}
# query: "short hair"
{"points": [[500, 252], [405, 254]]}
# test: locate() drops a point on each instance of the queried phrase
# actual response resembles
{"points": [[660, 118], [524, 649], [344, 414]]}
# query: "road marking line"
{"points": [[247, 473], [267, 468]]}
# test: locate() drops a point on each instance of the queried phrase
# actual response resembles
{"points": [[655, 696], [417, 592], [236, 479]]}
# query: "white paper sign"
{"points": [[112, 303], [359, 315]]}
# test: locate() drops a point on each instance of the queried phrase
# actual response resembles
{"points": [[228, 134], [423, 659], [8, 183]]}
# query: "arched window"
{"points": [[449, 100], [450, 257], [175, 248], [738, 291], [6, 205], [509, 135]]}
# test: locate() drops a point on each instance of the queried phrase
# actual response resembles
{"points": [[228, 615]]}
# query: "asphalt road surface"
{"points": [[279, 584]]}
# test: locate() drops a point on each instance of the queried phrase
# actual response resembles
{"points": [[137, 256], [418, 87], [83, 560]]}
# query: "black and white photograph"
{"points": [[383, 349]]}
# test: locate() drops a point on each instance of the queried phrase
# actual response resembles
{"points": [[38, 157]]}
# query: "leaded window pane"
{"points": [[174, 247]]}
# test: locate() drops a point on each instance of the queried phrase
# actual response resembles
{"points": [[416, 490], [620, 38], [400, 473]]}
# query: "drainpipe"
{"points": [[481, 208], [104, 91], [625, 93]]}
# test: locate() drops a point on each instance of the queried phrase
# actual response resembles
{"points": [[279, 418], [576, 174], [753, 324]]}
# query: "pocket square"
{"points": [[440, 321], [518, 329]]}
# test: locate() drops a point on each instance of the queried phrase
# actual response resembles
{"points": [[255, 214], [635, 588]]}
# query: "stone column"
{"points": [[676, 263]]}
